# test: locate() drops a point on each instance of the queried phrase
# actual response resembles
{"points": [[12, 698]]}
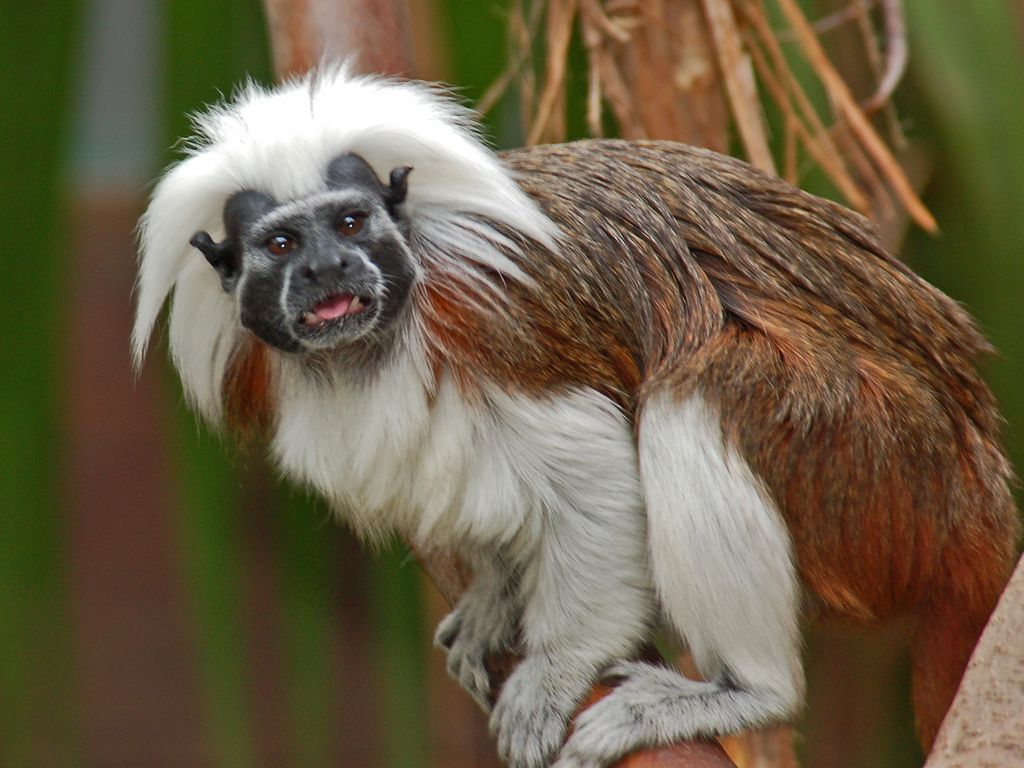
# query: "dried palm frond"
{"points": [[685, 69]]}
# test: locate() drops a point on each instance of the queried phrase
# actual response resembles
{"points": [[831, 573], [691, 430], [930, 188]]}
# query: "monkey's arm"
{"points": [[585, 589]]}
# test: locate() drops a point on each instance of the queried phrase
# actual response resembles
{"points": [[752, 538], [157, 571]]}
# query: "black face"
{"points": [[319, 272]]}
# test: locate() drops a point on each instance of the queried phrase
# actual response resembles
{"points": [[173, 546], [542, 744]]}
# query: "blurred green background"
{"points": [[163, 599]]}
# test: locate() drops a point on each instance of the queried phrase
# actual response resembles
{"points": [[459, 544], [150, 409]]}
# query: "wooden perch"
{"points": [[377, 34]]}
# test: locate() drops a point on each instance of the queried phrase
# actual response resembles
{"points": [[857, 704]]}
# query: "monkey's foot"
{"points": [[533, 711], [655, 706], [469, 634]]}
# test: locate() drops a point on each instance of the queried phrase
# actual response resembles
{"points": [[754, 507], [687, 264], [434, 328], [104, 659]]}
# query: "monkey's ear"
{"points": [[399, 188], [241, 208], [223, 257]]}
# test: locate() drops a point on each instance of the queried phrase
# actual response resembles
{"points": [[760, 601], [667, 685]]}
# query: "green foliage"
{"points": [[208, 48], [40, 43], [967, 72], [307, 569], [400, 658]]}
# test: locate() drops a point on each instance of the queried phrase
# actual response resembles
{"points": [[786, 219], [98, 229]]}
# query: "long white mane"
{"points": [[280, 141]]}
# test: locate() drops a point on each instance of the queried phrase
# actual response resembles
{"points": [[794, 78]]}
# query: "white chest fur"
{"points": [[448, 472]]}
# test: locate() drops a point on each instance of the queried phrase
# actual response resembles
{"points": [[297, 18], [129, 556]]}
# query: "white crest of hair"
{"points": [[465, 209], [720, 551]]}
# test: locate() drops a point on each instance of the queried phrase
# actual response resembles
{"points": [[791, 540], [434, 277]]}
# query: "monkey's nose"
{"points": [[315, 271]]}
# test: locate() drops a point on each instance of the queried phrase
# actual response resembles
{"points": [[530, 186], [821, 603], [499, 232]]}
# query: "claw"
{"points": [[448, 630]]}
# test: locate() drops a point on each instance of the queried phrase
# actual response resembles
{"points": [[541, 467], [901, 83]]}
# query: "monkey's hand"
{"points": [[533, 711], [484, 622]]}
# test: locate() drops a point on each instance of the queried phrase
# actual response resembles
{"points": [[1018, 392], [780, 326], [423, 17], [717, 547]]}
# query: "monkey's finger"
{"points": [[448, 630]]}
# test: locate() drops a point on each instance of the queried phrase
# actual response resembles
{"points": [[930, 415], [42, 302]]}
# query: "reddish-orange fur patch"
{"points": [[533, 350], [248, 406]]}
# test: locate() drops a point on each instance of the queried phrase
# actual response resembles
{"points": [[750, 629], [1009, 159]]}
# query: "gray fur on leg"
{"points": [[658, 706], [585, 589]]}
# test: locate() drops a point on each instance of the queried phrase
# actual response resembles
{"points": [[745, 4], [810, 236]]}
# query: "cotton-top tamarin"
{"points": [[633, 384]]}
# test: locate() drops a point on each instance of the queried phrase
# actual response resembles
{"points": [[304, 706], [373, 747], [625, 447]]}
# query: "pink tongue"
{"points": [[335, 306]]}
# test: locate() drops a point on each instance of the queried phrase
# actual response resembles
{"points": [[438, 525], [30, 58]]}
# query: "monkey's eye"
{"points": [[280, 244], [351, 223]]}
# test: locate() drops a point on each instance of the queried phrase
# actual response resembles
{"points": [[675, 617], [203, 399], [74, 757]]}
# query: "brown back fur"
{"points": [[846, 381]]}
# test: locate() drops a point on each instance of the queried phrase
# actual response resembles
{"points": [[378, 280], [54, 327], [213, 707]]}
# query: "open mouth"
{"points": [[335, 307]]}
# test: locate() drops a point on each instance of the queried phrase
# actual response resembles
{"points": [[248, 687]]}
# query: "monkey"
{"points": [[634, 385]]}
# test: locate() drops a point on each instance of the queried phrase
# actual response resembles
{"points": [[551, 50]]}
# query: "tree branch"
{"points": [[985, 725], [305, 32]]}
